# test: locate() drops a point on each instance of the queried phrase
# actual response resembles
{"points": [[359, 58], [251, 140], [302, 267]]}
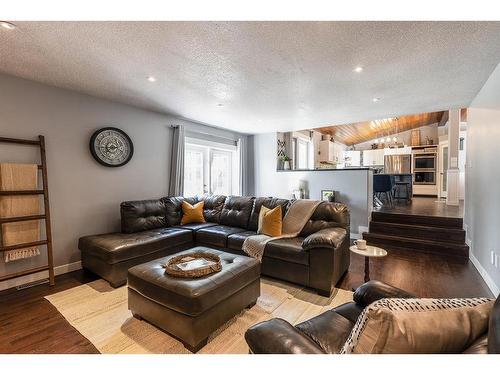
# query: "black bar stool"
{"points": [[399, 187]]}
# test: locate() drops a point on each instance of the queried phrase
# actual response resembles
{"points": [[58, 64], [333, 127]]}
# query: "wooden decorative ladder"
{"points": [[44, 216]]}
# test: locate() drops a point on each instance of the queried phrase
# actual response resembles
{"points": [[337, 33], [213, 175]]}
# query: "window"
{"points": [[210, 167], [303, 153]]}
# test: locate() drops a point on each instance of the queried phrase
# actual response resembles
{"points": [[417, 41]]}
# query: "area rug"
{"points": [[100, 313]]}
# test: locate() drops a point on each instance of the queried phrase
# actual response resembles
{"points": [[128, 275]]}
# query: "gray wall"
{"points": [[85, 196], [353, 186], [482, 196]]}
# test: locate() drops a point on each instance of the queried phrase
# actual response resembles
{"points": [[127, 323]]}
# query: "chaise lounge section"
{"points": [[152, 229]]}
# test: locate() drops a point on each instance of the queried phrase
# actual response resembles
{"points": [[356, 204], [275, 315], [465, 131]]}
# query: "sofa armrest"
{"points": [[328, 237], [277, 336], [372, 291]]}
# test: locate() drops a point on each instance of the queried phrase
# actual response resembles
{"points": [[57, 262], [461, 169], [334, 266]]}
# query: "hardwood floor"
{"points": [[425, 206], [30, 324]]}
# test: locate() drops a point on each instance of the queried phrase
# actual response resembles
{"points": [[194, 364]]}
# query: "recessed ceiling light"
{"points": [[7, 25], [220, 105], [358, 69], [375, 100], [151, 79]]}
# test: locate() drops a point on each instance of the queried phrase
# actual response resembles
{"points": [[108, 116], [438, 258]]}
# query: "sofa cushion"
{"points": [[235, 241], [196, 226], [327, 215], [213, 207], [236, 211], [268, 202], [287, 249], [137, 216], [117, 247], [188, 296], [328, 330], [173, 208], [216, 235], [408, 326]]}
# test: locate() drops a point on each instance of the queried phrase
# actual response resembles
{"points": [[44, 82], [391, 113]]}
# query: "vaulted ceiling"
{"points": [[351, 134], [261, 76]]}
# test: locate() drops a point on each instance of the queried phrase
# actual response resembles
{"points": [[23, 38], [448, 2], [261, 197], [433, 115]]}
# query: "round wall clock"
{"points": [[111, 147]]}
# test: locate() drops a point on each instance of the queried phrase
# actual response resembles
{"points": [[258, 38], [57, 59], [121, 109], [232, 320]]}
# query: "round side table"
{"points": [[369, 252]]}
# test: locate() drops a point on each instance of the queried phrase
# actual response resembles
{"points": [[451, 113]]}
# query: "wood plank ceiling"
{"points": [[351, 134]]}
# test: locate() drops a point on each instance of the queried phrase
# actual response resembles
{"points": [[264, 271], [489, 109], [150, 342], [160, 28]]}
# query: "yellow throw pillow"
{"points": [[270, 221], [192, 214]]}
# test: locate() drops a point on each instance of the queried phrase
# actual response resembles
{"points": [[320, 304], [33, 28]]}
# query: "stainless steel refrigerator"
{"points": [[397, 164]]}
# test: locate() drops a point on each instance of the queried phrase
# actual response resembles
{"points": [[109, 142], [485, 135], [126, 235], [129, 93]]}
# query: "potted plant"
{"points": [[286, 162]]}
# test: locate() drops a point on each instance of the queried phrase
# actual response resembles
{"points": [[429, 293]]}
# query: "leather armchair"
{"points": [[323, 334], [327, 332]]}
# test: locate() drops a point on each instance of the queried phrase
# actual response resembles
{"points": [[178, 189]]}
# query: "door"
{"points": [[443, 168], [195, 174], [220, 172]]}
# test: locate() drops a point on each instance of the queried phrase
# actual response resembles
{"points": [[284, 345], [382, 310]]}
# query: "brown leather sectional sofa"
{"points": [[151, 229]]}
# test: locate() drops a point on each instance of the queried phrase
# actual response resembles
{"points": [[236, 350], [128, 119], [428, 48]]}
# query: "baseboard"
{"points": [[59, 270], [486, 277]]}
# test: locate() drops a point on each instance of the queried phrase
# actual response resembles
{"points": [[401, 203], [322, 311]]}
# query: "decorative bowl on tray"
{"points": [[193, 265]]}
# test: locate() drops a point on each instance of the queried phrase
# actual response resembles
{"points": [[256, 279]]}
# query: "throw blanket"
{"points": [[298, 214], [19, 177]]}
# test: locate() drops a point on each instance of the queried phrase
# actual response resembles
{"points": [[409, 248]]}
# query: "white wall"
{"points": [[482, 196], [353, 186], [85, 196]]}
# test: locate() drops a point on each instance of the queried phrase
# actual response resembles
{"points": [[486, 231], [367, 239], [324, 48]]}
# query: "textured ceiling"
{"points": [[261, 76]]}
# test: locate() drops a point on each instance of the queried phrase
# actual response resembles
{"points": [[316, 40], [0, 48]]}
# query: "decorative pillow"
{"points": [[270, 221], [192, 213], [419, 325]]}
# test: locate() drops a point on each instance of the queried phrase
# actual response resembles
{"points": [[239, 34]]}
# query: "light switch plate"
{"points": [[454, 162]]}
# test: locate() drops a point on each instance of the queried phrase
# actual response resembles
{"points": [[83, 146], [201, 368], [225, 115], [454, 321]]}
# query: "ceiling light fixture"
{"points": [[7, 25], [151, 79], [220, 105], [375, 100], [358, 69]]}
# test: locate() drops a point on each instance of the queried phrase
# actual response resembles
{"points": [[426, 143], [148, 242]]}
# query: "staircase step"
{"points": [[441, 234], [429, 246], [428, 221]]}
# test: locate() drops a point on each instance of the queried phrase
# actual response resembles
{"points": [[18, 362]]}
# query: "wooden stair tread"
{"points": [[420, 227], [414, 240], [422, 220]]}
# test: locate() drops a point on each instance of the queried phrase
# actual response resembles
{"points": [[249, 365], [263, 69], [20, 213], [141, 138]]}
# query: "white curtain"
{"points": [[243, 154], [176, 186]]}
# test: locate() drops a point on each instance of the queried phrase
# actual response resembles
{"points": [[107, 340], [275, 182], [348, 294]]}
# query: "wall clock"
{"points": [[111, 147]]}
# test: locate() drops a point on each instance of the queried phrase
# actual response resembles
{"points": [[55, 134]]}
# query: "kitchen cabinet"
{"points": [[352, 158], [330, 152], [398, 151], [373, 157]]}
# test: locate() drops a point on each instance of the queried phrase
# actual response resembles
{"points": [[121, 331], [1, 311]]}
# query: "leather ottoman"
{"points": [[191, 309]]}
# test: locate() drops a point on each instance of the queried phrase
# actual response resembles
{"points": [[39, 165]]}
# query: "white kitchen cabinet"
{"points": [[329, 152], [352, 158], [398, 151], [373, 158]]}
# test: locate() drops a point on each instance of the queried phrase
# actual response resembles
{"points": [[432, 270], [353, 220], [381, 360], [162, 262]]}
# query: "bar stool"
{"points": [[397, 192], [382, 185]]}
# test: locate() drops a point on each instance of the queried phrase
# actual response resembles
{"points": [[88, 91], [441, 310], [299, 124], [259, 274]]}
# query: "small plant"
{"points": [[285, 158]]}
